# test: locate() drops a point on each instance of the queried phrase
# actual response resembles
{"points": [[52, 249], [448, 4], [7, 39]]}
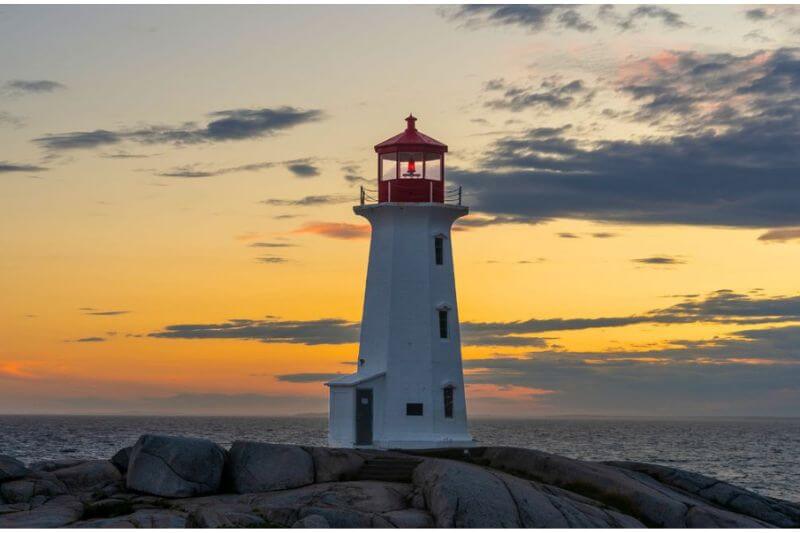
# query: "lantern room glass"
{"points": [[433, 166], [388, 166]]}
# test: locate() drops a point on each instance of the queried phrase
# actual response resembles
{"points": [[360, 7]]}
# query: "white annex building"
{"points": [[408, 391]]}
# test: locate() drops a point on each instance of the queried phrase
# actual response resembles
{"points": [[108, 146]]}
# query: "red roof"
{"points": [[410, 140]]}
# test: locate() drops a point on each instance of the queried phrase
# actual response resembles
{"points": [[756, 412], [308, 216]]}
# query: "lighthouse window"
{"points": [[443, 324], [438, 244], [388, 164], [433, 166], [448, 402], [413, 409]]}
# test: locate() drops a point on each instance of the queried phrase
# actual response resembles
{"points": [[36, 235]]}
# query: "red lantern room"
{"points": [[411, 167]]}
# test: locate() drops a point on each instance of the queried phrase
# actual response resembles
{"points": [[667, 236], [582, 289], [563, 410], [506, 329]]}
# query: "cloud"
{"points": [[228, 125], [336, 230], [567, 235], [195, 171], [102, 312], [310, 332], [78, 140], [603, 235], [19, 87], [729, 157], [473, 221], [303, 170], [659, 260], [6, 167], [318, 199], [11, 120], [532, 17], [747, 375], [552, 93], [631, 20], [271, 259], [271, 245], [353, 175], [308, 377], [781, 235], [91, 339]]}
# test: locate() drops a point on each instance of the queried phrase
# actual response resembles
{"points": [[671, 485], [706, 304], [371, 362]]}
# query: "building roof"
{"points": [[353, 379], [411, 139]]}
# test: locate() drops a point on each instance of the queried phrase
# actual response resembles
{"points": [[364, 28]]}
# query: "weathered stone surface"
{"points": [[107, 508], [261, 467], [157, 518], [364, 496], [57, 512], [10, 468], [55, 464], [631, 493], [119, 522], [464, 495], [312, 521], [43, 484], [175, 466], [335, 464], [772, 510], [14, 507], [88, 476], [122, 458], [225, 517], [339, 517], [409, 518]]}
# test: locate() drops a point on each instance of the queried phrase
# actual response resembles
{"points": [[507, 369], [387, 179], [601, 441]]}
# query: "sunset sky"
{"points": [[176, 191]]}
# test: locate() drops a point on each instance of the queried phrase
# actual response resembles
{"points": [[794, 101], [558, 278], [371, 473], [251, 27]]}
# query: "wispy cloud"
{"points": [[20, 87], [781, 235], [659, 260], [227, 125], [7, 167], [336, 230], [318, 199], [311, 332], [102, 312]]}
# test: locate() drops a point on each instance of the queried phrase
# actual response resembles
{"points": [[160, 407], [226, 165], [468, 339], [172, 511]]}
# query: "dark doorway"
{"points": [[363, 417]]}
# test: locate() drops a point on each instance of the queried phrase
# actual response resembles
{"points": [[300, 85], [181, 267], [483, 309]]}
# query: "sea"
{"points": [[760, 454]]}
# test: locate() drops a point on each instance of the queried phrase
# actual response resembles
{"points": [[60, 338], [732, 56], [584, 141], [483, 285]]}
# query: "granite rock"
{"points": [[262, 467], [175, 466]]}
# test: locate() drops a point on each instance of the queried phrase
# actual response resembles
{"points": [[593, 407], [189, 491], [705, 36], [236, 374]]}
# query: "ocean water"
{"points": [[761, 454]]}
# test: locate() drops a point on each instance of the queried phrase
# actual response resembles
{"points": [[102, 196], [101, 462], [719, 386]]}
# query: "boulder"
{"points": [[312, 521], [157, 518], [56, 512], [338, 517], [222, 517], [772, 510], [335, 464], [409, 518], [175, 466], [10, 468], [88, 476], [119, 522], [55, 464], [122, 458], [37, 484], [262, 467], [461, 495], [107, 508]]}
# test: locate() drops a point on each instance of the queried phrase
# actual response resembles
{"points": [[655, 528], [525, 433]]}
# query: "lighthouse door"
{"points": [[363, 416]]}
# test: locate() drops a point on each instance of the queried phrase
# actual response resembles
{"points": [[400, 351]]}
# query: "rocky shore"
{"points": [[181, 482]]}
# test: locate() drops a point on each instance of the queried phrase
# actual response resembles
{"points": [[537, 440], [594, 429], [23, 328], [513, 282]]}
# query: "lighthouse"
{"points": [[408, 389]]}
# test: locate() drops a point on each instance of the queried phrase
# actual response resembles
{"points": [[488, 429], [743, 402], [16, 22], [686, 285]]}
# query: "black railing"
{"points": [[451, 196]]}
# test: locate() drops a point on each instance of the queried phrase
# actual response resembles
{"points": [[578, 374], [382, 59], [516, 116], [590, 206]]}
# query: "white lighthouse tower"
{"points": [[408, 391]]}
